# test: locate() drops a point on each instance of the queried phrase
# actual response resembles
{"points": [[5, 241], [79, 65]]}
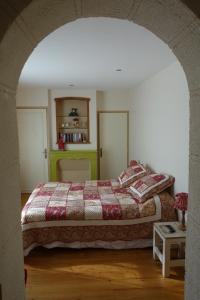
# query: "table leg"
{"points": [[156, 241], [166, 258]]}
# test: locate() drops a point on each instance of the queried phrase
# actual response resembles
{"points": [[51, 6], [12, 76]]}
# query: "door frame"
{"points": [[45, 108], [98, 135]]}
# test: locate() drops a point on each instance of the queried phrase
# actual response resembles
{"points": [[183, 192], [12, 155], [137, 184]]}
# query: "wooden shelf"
{"points": [[77, 143], [72, 128], [64, 116], [71, 133]]}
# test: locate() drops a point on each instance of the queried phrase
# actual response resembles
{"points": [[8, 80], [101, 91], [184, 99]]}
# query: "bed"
{"points": [[97, 214]]}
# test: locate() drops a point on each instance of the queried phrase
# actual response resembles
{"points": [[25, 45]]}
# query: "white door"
{"points": [[112, 143], [32, 134]]}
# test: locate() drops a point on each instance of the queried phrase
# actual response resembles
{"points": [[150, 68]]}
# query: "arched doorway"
{"points": [[173, 23]]}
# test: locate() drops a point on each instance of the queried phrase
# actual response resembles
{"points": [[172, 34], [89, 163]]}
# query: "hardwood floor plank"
{"points": [[94, 274], [24, 198]]}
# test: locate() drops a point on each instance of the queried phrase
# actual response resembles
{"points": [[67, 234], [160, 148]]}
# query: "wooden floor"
{"points": [[24, 198], [64, 274], [98, 274]]}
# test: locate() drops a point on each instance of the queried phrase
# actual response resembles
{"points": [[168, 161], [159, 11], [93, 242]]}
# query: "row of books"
{"points": [[77, 137]]}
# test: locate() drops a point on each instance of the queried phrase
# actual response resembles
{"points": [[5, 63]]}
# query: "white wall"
{"points": [[27, 96], [56, 93], [160, 108], [117, 99]]}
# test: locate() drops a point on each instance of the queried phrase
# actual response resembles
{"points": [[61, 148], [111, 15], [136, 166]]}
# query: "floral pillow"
{"points": [[131, 174], [133, 163], [150, 185]]}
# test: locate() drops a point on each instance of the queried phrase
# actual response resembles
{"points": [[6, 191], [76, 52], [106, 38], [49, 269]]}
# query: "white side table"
{"points": [[163, 243]]}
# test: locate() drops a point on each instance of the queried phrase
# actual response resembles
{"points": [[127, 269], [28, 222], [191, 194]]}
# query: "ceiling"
{"points": [[88, 52]]}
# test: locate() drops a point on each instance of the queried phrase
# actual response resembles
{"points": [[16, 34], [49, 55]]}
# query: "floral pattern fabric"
{"points": [[70, 236], [131, 174], [67, 213], [150, 185], [92, 200]]}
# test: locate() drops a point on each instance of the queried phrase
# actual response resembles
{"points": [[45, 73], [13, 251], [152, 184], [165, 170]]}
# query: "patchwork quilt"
{"points": [[90, 214], [91, 200]]}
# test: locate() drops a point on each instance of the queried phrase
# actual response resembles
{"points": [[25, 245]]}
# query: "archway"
{"points": [[169, 20]]}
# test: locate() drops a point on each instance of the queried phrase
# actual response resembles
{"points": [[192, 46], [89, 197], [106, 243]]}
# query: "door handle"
{"points": [[100, 152], [45, 153]]}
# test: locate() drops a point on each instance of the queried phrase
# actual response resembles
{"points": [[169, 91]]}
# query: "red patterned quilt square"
{"points": [[112, 212], [90, 195], [76, 188], [55, 213], [104, 183], [44, 192]]}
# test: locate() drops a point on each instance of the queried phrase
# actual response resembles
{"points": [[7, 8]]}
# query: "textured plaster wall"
{"points": [[172, 22], [32, 97]]}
